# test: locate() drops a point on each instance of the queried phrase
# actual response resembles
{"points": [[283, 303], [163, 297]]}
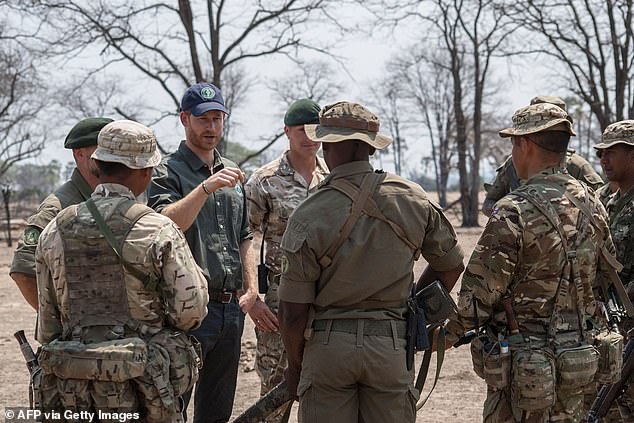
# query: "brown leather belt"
{"points": [[370, 327], [224, 297]]}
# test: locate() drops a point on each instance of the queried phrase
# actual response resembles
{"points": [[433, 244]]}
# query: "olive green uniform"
{"points": [[72, 192], [353, 366]]}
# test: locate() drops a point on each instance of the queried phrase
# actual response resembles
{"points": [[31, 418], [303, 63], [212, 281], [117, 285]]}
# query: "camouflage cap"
{"points": [[302, 112], [617, 133], [550, 99], [129, 143], [344, 121], [84, 133], [538, 118]]}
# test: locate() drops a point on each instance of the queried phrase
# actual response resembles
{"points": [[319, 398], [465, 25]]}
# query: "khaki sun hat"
{"points": [[538, 118], [345, 121], [621, 132], [129, 143], [557, 101]]}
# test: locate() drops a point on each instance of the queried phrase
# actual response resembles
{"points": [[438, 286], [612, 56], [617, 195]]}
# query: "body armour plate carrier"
{"points": [[95, 277]]}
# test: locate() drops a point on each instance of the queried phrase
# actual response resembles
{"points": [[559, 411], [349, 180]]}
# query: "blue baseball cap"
{"points": [[203, 97]]}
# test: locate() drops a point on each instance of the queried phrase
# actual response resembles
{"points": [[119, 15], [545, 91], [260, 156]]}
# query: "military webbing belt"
{"points": [[545, 207], [134, 213]]}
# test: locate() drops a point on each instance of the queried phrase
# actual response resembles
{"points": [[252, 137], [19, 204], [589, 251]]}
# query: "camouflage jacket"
{"points": [[506, 179], [520, 255], [273, 193], [154, 245], [621, 211]]}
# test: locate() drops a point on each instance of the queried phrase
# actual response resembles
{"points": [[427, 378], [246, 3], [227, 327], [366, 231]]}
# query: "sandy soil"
{"points": [[458, 397]]}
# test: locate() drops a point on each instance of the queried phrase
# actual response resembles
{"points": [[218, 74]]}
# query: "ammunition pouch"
{"points": [[576, 367], [533, 379], [490, 363], [610, 347], [115, 361]]}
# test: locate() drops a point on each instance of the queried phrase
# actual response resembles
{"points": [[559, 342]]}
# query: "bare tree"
{"points": [[594, 41], [21, 103], [427, 88], [174, 44]]}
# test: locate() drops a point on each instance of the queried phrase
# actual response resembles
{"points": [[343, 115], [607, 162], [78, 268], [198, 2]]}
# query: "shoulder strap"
{"points": [[359, 198], [545, 207], [368, 207], [133, 213]]}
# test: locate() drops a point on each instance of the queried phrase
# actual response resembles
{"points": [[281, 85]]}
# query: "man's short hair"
{"points": [[112, 169], [552, 141]]}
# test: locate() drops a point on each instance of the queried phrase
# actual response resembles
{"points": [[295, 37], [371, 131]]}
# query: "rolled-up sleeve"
{"points": [[185, 288], [440, 246]]}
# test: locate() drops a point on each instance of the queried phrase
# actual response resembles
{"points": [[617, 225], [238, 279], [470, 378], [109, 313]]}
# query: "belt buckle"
{"points": [[227, 301]]}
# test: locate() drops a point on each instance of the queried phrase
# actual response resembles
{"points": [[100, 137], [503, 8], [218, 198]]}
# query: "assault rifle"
{"points": [[266, 405], [35, 371], [608, 393]]}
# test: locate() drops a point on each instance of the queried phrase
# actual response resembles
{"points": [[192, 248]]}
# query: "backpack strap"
{"points": [[359, 198], [364, 204], [533, 196]]}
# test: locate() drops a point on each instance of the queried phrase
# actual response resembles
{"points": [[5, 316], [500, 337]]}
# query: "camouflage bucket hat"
{"points": [[538, 118], [551, 99], [129, 143], [344, 121], [617, 133]]}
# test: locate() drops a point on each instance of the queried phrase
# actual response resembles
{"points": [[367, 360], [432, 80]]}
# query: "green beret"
{"points": [[84, 133], [301, 112]]}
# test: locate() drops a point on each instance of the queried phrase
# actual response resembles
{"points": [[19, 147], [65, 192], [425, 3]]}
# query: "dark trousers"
{"points": [[219, 336]]}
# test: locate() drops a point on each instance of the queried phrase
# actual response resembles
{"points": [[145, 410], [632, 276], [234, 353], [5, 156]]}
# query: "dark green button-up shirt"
{"points": [[72, 192], [221, 225]]}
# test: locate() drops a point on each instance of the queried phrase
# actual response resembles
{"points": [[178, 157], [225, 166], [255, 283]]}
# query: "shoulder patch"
{"points": [[31, 235]]}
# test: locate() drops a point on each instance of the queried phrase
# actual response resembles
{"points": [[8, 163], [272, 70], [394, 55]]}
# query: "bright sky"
{"points": [[261, 116]]}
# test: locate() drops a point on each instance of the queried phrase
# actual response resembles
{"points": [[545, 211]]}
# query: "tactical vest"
{"points": [[95, 278]]}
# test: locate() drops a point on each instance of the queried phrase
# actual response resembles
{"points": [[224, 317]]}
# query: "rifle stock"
{"points": [[266, 405], [608, 393], [35, 372]]}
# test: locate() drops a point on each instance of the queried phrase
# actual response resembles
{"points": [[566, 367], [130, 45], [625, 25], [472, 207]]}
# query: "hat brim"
{"points": [[512, 132], [134, 162], [201, 108], [604, 145], [319, 133]]}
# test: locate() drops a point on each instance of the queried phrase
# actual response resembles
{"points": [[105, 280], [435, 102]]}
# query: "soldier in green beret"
{"points": [[82, 140], [273, 193]]}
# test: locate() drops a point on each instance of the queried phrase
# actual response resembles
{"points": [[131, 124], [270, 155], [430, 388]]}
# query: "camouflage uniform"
{"points": [[138, 297], [604, 193], [620, 207], [506, 179], [273, 193], [520, 258]]}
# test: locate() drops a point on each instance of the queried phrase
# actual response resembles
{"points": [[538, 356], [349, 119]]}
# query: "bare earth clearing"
{"points": [[458, 396]]}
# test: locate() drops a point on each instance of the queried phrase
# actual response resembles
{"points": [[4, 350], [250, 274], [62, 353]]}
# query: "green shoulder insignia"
{"points": [[31, 235]]}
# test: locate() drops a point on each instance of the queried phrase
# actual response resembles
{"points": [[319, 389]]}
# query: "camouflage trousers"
{"points": [[498, 408], [270, 356], [270, 363]]}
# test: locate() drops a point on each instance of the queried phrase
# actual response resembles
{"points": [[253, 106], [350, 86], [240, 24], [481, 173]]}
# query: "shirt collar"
{"points": [[194, 161], [349, 169], [80, 183], [113, 190]]}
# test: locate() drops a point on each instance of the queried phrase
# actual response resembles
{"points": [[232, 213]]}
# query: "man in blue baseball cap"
{"points": [[203, 193]]}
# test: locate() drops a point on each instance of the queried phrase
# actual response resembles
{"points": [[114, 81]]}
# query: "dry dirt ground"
{"points": [[458, 397]]}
